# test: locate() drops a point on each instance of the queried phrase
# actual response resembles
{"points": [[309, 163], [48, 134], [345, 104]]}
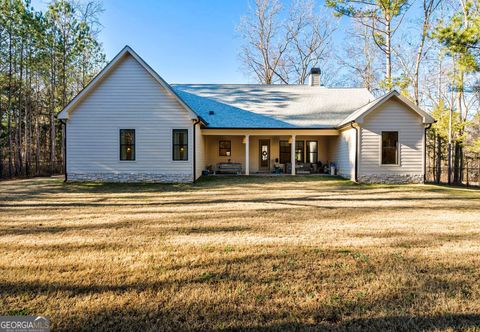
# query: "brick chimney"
{"points": [[314, 77]]}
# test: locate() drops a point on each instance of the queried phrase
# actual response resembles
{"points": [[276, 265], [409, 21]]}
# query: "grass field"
{"points": [[256, 253]]}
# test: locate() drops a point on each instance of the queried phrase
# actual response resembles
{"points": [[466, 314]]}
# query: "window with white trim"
{"points": [[127, 144], [225, 148], [389, 147], [180, 144]]}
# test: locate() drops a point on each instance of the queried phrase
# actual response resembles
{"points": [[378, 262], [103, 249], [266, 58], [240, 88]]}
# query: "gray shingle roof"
{"points": [[272, 106]]}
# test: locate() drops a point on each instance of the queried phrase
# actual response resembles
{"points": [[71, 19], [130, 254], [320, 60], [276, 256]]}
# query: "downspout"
{"points": [[64, 123], [195, 122], [425, 153], [356, 150]]}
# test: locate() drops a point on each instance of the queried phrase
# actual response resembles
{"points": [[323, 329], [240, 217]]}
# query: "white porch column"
{"points": [[293, 154], [247, 154]]}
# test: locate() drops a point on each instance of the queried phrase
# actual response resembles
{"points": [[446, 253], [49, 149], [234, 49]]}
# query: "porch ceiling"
{"points": [[268, 132]]}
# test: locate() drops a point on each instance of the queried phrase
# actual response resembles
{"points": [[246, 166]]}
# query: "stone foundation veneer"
{"points": [[129, 177], [391, 178]]}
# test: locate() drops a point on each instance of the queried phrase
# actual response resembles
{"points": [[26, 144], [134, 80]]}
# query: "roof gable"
{"points": [[360, 114], [64, 114]]}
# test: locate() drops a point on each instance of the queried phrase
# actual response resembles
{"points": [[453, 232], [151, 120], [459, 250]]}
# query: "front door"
{"points": [[264, 155]]}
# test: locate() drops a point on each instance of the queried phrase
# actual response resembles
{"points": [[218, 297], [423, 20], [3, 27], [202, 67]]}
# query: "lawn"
{"points": [[236, 253]]}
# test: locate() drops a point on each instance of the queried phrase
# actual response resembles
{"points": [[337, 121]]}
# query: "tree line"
{"points": [[46, 57], [429, 50]]}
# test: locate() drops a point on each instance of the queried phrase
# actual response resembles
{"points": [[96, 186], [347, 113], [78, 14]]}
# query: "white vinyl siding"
{"points": [[128, 97], [392, 116], [344, 153]]}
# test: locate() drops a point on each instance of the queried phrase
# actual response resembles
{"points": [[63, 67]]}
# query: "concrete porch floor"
{"points": [[274, 174]]}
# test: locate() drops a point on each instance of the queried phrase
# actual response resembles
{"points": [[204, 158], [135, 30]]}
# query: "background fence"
{"points": [[469, 175]]}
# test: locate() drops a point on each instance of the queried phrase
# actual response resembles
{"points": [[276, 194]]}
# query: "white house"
{"points": [[128, 124]]}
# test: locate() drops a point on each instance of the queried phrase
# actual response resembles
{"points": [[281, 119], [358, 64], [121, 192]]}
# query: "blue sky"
{"points": [[185, 41]]}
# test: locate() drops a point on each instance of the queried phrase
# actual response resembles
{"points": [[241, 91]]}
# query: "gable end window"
{"points": [[225, 148], [180, 144], [127, 144], [389, 147]]}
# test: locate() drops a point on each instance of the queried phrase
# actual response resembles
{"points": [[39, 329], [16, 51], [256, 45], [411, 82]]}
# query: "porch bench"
{"points": [[229, 168], [300, 168]]}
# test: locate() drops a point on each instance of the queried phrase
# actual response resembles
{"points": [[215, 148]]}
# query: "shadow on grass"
{"points": [[42, 185], [405, 323], [159, 231], [299, 200], [150, 302], [34, 229], [331, 187], [178, 319]]}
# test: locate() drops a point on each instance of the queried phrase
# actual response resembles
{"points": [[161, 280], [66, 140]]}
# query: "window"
{"points": [[285, 152], [312, 152], [180, 144], [127, 144], [389, 147], [299, 151], [225, 148]]}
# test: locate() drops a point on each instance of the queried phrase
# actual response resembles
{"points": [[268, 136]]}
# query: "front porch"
{"points": [[285, 152]]}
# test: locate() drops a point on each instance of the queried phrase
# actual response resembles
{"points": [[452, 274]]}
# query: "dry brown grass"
{"points": [[262, 254]]}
